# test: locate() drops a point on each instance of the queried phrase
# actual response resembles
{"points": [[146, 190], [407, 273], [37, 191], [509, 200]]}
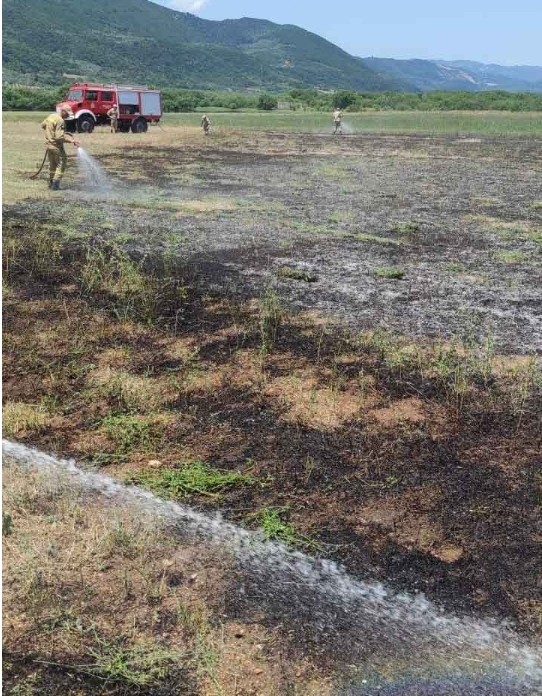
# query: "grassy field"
{"points": [[23, 138], [435, 122], [23, 150], [467, 122]]}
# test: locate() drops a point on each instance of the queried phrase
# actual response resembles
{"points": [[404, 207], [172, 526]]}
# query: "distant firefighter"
{"points": [[205, 124], [113, 114], [337, 119]]}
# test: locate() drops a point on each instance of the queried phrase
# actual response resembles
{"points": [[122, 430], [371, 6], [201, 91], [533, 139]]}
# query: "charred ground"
{"points": [[392, 424], [460, 219]]}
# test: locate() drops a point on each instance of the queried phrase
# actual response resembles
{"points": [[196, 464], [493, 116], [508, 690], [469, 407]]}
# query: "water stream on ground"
{"points": [[383, 642], [94, 176]]}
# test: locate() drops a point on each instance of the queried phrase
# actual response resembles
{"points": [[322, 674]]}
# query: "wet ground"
{"points": [[370, 639]]}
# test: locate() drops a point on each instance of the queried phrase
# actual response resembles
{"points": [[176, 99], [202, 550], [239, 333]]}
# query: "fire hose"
{"points": [[34, 176]]}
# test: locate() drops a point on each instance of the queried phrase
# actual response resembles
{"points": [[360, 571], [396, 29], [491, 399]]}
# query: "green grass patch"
{"points": [[342, 217], [406, 227], [103, 271], [195, 478], [297, 274], [7, 524], [143, 665], [131, 433], [366, 237], [332, 170], [535, 236], [511, 256], [270, 320], [454, 122], [455, 267], [275, 528], [308, 227], [389, 272]]}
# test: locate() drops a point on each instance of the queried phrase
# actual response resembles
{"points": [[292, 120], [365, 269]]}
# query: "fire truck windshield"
{"points": [[75, 94]]}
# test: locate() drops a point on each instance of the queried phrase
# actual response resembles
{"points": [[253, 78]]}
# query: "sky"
{"points": [[489, 31]]}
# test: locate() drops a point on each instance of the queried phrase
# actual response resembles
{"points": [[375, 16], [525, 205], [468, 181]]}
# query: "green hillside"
{"points": [[137, 40]]}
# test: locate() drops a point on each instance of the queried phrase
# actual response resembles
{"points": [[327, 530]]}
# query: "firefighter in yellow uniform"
{"points": [[113, 114], [205, 124], [337, 119], [55, 137]]}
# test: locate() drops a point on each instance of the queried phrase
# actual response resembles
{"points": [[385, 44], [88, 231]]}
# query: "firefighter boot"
{"points": [[55, 185]]}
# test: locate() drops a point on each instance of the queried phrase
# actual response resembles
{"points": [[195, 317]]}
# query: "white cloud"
{"points": [[182, 5]]}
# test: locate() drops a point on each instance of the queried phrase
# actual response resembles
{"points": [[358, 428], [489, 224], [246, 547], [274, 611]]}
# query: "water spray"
{"points": [[400, 643], [94, 175]]}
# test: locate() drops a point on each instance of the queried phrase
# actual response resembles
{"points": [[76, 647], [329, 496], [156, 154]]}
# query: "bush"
{"points": [[344, 99], [266, 102]]}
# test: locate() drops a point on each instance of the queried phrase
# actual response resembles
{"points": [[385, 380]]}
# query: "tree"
{"points": [[267, 102], [343, 99]]}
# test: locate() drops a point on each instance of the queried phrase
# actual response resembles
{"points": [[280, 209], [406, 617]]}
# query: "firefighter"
{"points": [[55, 137], [113, 114], [205, 124], [337, 118]]}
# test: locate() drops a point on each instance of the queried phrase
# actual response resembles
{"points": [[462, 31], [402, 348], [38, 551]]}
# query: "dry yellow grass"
{"points": [[19, 417], [304, 398], [208, 205], [134, 392], [110, 589], [500, 226], [24, 148]]}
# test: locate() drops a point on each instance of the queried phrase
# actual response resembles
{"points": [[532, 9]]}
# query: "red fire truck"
{"points": [[137, 106]]}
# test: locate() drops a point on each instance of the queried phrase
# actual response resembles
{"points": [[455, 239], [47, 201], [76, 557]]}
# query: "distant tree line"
{"points": [[423, 101], [25, 98], [190, 100]]}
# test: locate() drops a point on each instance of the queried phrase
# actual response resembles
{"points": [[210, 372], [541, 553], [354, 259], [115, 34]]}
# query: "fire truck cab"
{"points": [[137, 106]]}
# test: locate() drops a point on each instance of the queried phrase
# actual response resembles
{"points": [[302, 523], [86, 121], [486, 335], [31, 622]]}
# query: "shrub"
{"points": [[266, 102]]}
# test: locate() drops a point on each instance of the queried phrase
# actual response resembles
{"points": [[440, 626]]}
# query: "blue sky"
{"points": [[493, 31]]}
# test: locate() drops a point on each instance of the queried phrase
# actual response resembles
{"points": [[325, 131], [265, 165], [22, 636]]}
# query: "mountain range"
{"points": [[466, 75], [51, 41], [137, 40]]}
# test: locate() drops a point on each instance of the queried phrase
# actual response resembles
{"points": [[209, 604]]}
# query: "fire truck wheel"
{"points": [[139, 126], [85, 124]]}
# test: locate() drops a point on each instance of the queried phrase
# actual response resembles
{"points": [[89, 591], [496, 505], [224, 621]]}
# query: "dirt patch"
{"points": [[406, 410]]}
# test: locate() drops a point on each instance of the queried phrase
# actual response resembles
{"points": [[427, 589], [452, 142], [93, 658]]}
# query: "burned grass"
{"points": [[411, 462], [339, 209], [146, 339]]}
